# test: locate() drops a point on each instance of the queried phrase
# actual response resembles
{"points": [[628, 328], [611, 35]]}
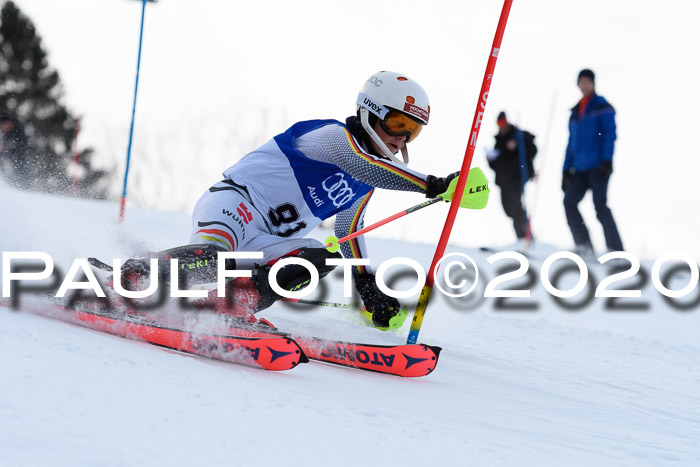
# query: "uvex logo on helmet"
{"points": [[366, 101], [376, 108]]}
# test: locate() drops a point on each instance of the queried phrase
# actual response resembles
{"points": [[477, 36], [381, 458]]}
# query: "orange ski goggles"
{"points": [[399, 124]]}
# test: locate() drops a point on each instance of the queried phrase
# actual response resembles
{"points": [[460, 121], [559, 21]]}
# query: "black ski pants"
{"points": [[511, 197], [581, 182]]}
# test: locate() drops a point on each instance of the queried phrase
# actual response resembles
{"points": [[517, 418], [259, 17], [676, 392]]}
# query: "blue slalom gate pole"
{"points": [[133, 115]]}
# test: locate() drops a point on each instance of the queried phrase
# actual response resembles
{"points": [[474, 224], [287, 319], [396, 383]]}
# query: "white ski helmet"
{"points": [[389, 92]]}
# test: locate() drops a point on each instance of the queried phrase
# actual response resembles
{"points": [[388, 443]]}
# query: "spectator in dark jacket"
{"points": [[511, 160], [588, 164], [13, 146]]}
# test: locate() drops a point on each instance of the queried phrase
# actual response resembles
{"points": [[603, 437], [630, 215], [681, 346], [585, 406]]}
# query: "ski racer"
{"points": [[276, 194]]}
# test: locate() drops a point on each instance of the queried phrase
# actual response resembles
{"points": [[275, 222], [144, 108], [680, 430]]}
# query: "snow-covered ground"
{"points": [[549, 386]]}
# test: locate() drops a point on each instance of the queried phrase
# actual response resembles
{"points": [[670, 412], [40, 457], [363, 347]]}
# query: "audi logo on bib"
{"points": [[339, 192]]}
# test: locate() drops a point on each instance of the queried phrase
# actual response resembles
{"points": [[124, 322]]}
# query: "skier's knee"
{"points": [[197, 264]]}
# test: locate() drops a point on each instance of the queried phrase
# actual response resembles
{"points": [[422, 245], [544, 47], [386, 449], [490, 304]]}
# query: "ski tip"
{"points": [[436, 350], [434, 359], [303, 358], [421, 360]]}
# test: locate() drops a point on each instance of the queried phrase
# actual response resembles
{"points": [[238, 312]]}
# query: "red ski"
{"points": [[269, 352], [408, 360], [257, 347]]}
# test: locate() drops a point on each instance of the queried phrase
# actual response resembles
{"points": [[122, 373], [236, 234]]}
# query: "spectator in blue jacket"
{"points": [[588, 164]]}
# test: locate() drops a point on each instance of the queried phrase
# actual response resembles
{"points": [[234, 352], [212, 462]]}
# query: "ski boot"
{"points": [[384, 312]]}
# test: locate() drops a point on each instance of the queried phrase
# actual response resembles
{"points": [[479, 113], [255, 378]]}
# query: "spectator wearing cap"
{"points": [[588, 164], [512, 161], [13, 146]]}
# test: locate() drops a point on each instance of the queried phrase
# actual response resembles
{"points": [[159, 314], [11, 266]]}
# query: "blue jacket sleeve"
{"points": [[568, 159], [608, 131]]}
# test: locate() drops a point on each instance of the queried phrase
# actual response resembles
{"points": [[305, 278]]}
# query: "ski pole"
{"points": [[333, 243], [466, 164]]}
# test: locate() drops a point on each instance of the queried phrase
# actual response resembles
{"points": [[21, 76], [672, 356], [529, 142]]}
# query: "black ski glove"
{"points": [[436, 186], [382, 306], [605, 169]]}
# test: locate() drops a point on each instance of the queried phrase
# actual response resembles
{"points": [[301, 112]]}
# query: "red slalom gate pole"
{"points": [[466, 164]]}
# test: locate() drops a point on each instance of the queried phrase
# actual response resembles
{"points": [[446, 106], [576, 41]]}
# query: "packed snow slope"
{"points": [[548, 386]]}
